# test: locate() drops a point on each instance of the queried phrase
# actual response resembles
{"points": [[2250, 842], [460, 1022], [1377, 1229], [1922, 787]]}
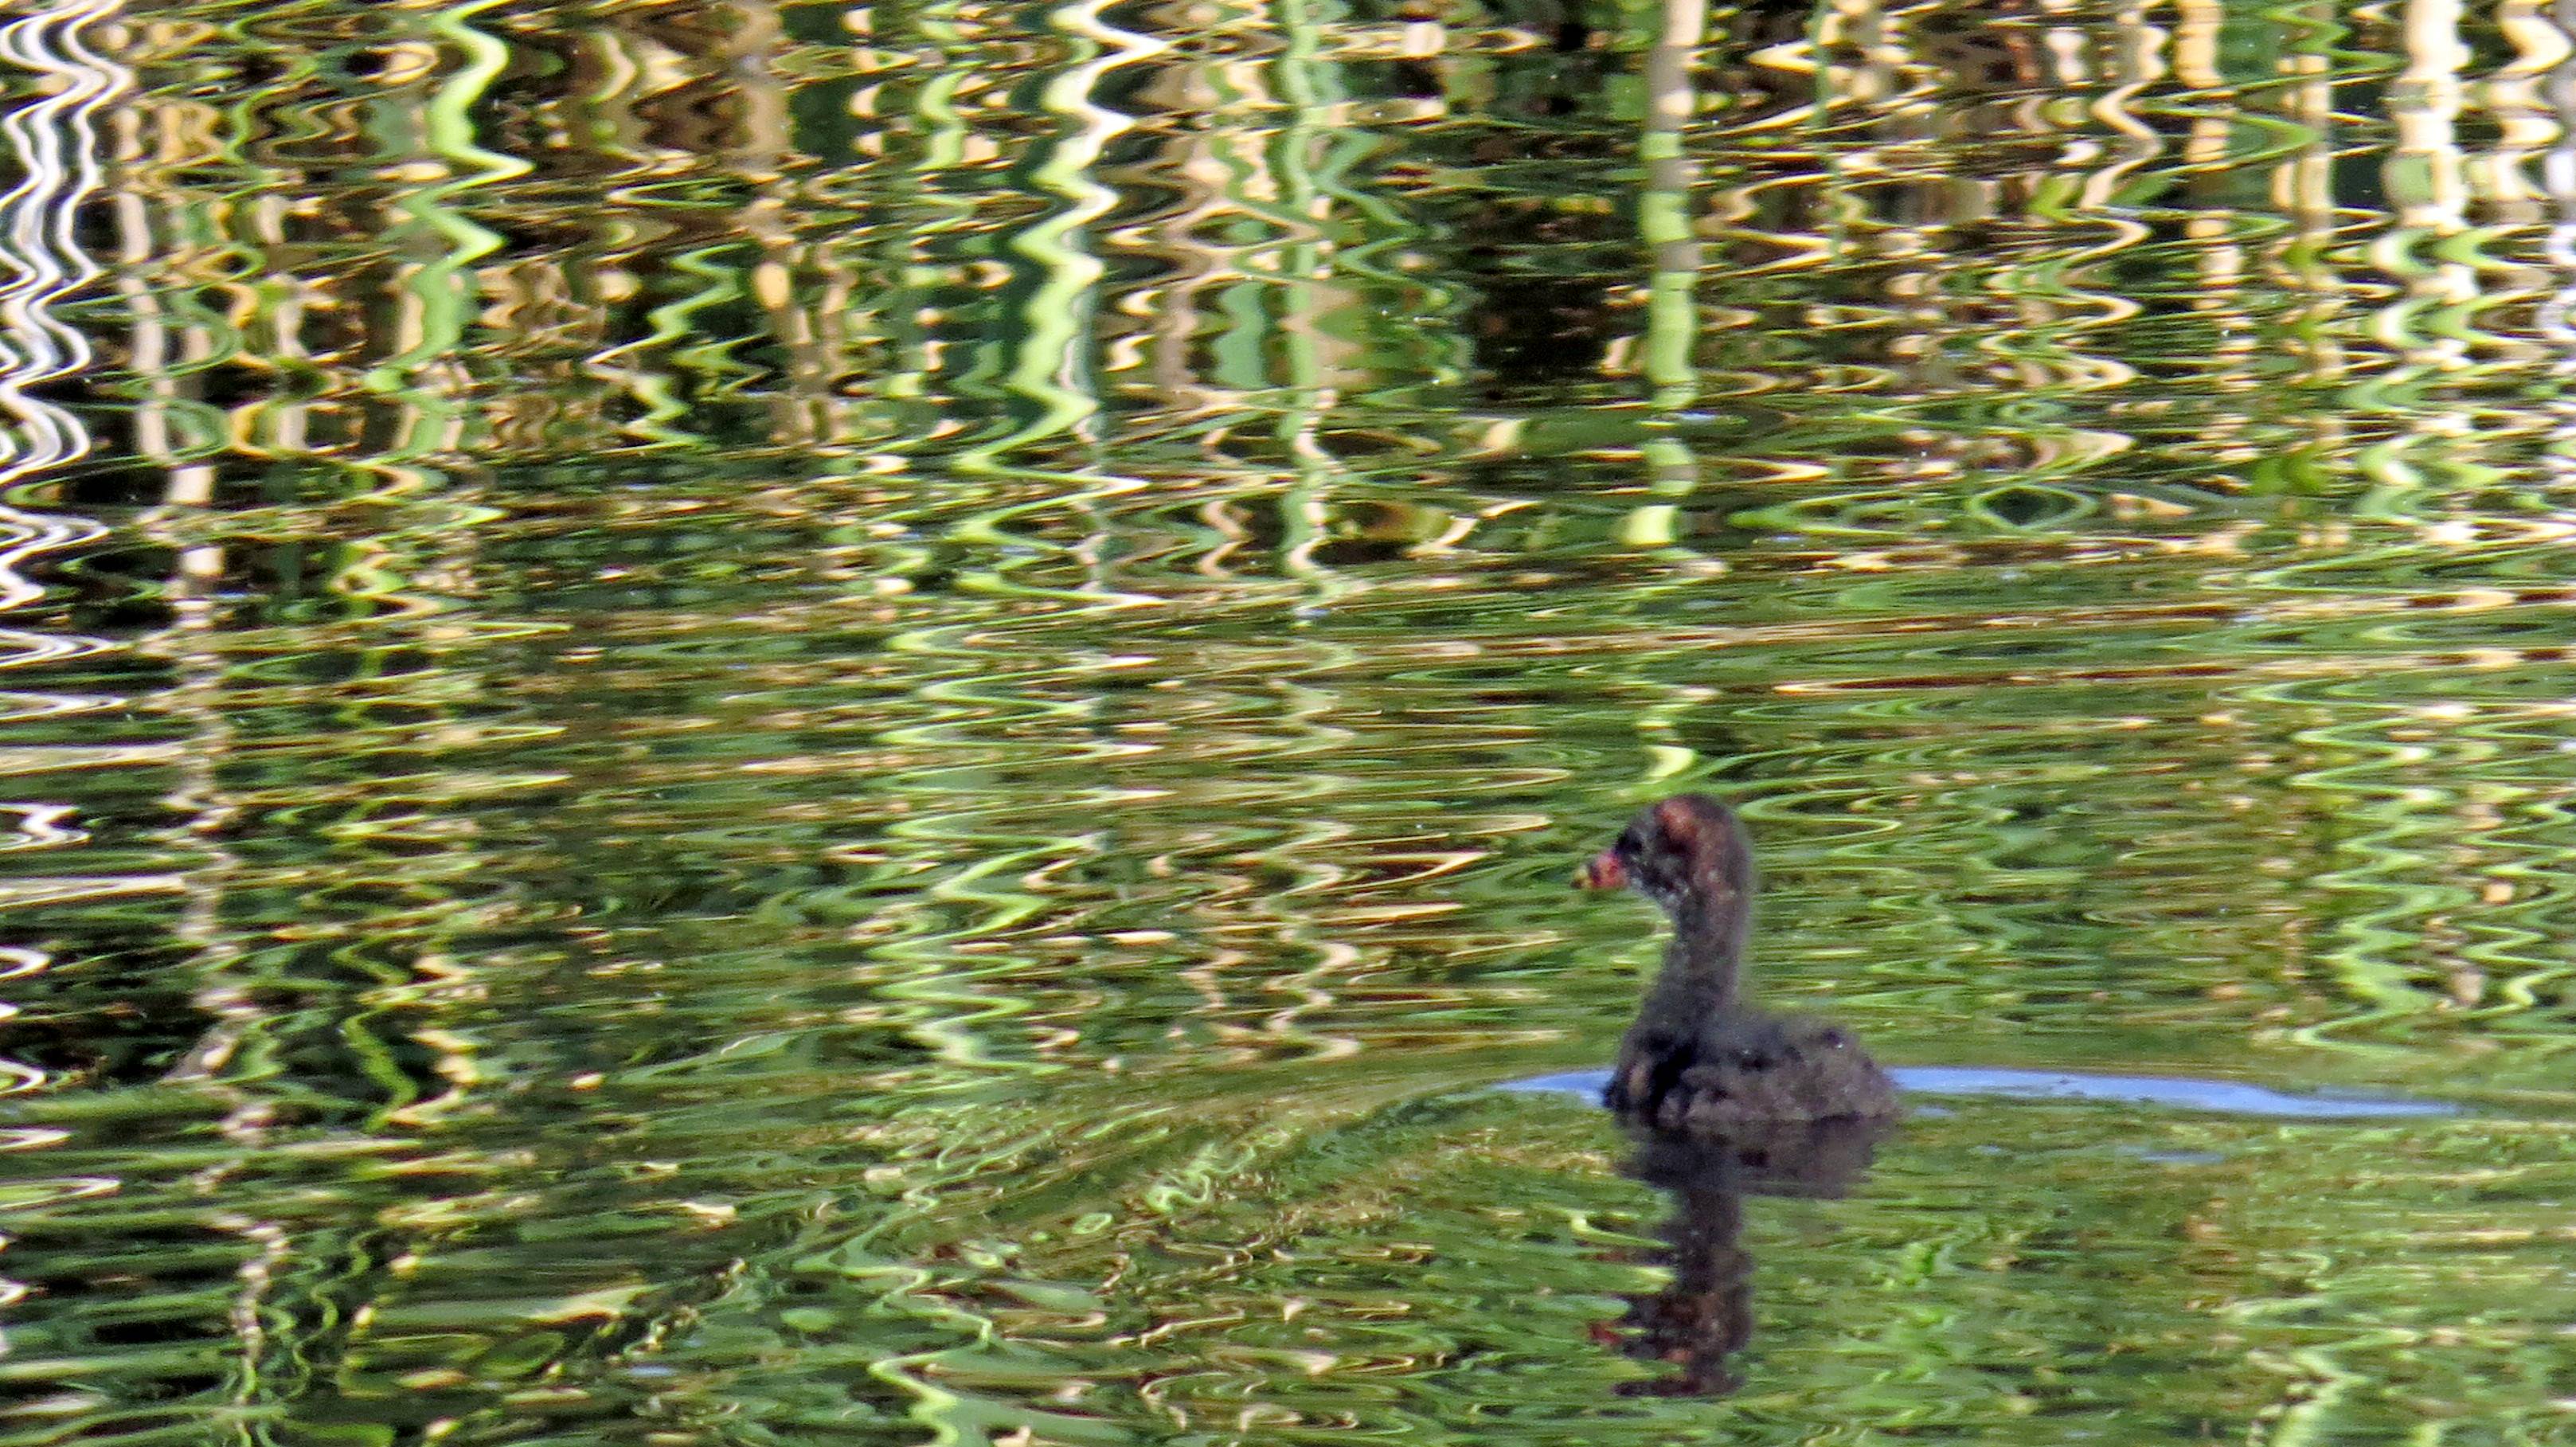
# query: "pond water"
{"points": [[772, 723]]}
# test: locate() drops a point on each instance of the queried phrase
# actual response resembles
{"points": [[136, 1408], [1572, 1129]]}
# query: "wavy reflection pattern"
{"points": [[753, 722], [54, 167]]}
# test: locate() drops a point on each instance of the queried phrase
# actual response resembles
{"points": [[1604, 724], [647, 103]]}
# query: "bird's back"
{"points": [[1751, 1068]]}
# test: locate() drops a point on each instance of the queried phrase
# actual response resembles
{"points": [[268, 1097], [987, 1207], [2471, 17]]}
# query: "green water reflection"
{"points": [[777, 723]]}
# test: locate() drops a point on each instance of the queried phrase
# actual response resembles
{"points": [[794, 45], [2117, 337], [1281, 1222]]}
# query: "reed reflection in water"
{"points": [[771, 722]]}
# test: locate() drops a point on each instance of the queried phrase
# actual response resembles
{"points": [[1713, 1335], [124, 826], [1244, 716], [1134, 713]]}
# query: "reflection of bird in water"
{"points": [[1696, 1059], [1706, 1315]]}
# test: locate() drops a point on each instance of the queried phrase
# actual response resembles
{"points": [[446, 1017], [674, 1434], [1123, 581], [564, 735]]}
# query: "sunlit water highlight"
{"points": [[2169, 1092], [781, 722]]}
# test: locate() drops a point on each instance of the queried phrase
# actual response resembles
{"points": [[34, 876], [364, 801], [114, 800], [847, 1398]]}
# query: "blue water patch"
{"points": [[2178, 1092]]}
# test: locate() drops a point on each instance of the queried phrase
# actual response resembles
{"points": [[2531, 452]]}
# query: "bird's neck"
{"points": [[1702, 962]]}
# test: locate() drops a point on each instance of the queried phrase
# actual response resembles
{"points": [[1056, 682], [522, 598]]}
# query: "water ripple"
{"points": [[770, 716]]}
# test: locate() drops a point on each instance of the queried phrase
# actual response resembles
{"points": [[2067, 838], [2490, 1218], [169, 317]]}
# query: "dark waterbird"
{"points": [[1698, 1059]]}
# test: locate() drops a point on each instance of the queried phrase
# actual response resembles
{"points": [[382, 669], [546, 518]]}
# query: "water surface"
{"points": [[780, 723]]}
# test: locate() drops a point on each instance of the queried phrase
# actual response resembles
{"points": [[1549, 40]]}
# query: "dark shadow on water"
{"points": [[1701, 1322], [1704, 1318]]}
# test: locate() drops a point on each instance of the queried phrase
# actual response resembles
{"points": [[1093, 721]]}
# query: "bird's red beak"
{"points": [[1602, 871]]}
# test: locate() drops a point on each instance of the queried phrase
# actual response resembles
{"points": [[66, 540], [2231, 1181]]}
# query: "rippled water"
{"points": [[769, 723]]}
